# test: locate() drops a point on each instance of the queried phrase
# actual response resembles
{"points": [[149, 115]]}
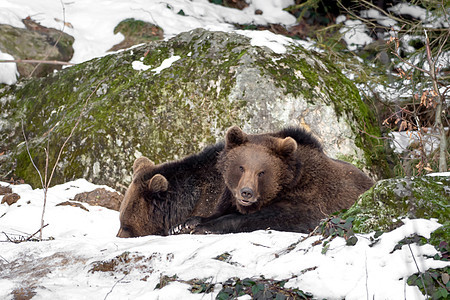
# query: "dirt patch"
{"points": [[5, 190], [28, 270], [24, 293], [73, 204], [101, 197], [126, 262], [11, 198]]}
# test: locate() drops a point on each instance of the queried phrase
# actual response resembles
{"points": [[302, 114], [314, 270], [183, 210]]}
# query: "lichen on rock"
{"points": [[384, 206]]}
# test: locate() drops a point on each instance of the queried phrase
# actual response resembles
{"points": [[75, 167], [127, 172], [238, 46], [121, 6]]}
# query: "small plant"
{"points": [[259, 288], [197, 285], [335, 226], [165, 280], [433, 282]]}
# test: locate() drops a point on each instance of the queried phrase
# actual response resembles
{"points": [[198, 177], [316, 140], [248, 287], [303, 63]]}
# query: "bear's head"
{"points": [[256, 167], [137, 204]]}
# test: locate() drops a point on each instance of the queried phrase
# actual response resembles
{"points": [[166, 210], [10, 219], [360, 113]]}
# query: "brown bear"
{"points": [[161, 196], [282, 180]]}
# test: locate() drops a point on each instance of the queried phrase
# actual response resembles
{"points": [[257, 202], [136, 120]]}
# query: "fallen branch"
{"points": [[36, 61], [115, 285], [39, 230]]}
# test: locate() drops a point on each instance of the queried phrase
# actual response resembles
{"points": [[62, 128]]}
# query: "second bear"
{"points": [[282, 181]]}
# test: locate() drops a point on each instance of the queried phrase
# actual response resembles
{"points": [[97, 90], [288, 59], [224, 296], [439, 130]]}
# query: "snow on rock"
{"points": [[409, 9], [268, 39], [166, 64], [174, 17], [355, 34], [8, 71], [86, 261]]}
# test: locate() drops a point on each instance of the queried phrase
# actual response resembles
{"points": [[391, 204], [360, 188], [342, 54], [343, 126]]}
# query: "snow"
{"points": [[63, 267], [402, 140], [409, 9], [60, 268], [355, 34], [92, 22], [381, 19], [268, 39], [166, 64], [139, 65], [8, 71]]}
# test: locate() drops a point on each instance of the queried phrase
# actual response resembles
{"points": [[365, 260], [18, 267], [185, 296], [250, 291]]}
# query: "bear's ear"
{"points": [[158, 183], [287, 146], [141, 163], [235, 137]]}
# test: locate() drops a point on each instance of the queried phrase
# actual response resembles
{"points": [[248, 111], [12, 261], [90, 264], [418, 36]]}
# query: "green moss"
{"points": [[389, 201], [163, 116], [442, 234], [320, 75]]}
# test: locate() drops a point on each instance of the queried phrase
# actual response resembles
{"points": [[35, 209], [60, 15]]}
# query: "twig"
{"points": [[31, 236], [115, 285], [57, 41], [417, 266], [44, 182], [36, 61], [367, 278], [31, 158], [73, 130], [7, 237], [4, 259]]}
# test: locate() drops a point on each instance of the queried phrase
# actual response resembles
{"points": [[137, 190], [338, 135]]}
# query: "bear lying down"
{"points": [[280, 180], [162, 196]]}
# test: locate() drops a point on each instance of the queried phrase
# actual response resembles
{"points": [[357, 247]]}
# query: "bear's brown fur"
{"points": [[282, 180], [161, 196]]}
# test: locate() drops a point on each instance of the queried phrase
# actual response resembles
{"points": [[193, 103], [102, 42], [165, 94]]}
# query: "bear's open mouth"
{"points": [[244, 202]]}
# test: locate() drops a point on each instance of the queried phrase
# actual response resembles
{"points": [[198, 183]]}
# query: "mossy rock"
{"points": [[384, 206], [219, 80], [36, 42], [136, 32]]}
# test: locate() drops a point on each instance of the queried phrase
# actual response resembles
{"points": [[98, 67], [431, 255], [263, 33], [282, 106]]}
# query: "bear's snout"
{"points": [[246, 193], [247, 197]]}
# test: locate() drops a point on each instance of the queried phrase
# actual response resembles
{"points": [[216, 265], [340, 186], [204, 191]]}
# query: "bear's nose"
{"points": [[246, 193]]}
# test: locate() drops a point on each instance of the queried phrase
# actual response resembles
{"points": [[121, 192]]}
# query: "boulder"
{"points": [[136, 32], [383, 207], [168, 99], [38, 43], [101, 197], [11, 198]]}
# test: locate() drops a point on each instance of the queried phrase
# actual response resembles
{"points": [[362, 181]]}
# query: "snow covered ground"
{"points": [[92, 22], [68, 266], [73, 264]]}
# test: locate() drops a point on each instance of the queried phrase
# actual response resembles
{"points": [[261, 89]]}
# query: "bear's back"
{"points": [[300, 135]]}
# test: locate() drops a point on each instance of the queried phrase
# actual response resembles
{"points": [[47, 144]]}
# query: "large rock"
{"points": [[216, 80], [38, 43], [136, 32], [383, 207]]}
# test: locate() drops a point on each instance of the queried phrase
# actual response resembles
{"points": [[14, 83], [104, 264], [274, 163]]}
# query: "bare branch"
{"points": [[417, 266], [72, 131], [57, 41], [31, 158], [36, 61], [40, 229]]}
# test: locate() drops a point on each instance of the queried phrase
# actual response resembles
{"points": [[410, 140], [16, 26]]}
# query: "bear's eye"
{"points": [[260, 174], [241, 168]]}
